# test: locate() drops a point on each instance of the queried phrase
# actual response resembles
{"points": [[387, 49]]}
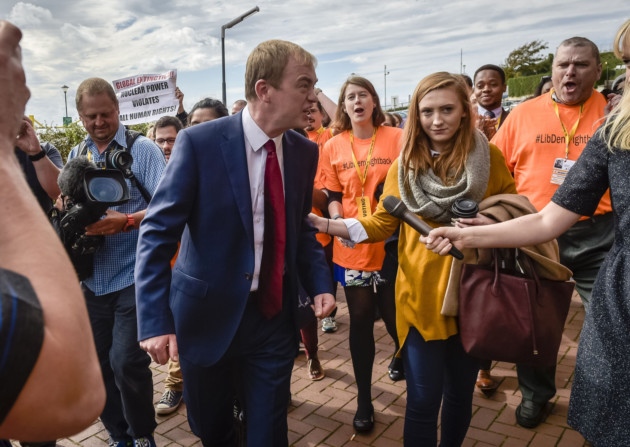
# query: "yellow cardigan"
{"points": [[422, 274]]}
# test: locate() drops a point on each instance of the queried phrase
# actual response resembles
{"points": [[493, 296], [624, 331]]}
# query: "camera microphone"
{"points": [[396, 208], [70, 179]]}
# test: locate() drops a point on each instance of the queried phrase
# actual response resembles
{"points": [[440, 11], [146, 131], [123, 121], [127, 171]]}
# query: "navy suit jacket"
{"points": [[204, 199]]}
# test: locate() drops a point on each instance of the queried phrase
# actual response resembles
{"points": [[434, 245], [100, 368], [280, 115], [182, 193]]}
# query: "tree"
{"points": [[526, 60]]}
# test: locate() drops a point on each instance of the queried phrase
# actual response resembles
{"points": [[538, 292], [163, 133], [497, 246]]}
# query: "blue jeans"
{"points": [[128, 411], [438, 373]]}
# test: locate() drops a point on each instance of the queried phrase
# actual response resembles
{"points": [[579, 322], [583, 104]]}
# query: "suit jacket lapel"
{"points": [[235, 159]]}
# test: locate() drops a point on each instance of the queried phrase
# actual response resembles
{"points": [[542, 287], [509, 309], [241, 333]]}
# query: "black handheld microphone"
{"points": [[396, 208]]}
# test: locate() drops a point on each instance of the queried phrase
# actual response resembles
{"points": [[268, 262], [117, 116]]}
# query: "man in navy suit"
{"points": [[212, 198]]}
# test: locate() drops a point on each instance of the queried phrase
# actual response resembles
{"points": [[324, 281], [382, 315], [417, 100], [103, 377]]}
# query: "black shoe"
{"points": [[364, 424], [530, 414], [396, 370]]}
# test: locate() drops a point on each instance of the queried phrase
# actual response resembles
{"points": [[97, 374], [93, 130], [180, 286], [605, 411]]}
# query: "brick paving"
{"points": [[321, 412]]}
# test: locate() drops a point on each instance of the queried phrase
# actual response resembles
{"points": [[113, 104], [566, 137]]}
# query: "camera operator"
{"points": [[109, 291]]}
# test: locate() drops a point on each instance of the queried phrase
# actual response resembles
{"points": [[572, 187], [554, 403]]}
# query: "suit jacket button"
{"points": [[248, 276]]}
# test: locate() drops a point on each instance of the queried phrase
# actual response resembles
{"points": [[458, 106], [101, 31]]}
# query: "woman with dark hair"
{"points": [[207, 109], [443, 158], [354, 163], [544, 86]]}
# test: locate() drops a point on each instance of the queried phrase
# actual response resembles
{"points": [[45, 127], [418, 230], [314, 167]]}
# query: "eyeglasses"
{"points": [[161, 141]]}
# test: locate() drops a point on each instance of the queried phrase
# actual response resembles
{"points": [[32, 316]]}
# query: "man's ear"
{"points": [[262, 88]]}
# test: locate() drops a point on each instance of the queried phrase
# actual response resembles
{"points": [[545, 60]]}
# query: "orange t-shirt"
{"points": [[320, 137], [340, 175], [532, 138]]}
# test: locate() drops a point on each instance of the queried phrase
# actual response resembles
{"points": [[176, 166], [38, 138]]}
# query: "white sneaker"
{"points": [[329, 324]]}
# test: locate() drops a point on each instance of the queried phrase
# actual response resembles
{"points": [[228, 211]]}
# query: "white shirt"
{"points": [[255, 139]]}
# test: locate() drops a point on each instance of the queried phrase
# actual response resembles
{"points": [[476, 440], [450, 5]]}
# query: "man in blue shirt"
{"points": [[109, 292]]}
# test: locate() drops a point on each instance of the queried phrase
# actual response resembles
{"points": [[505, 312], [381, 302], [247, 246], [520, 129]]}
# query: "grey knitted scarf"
{"points": [[431, 199]]}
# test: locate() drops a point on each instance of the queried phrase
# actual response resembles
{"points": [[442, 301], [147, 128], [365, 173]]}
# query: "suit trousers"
{"points": [[257, 368]]}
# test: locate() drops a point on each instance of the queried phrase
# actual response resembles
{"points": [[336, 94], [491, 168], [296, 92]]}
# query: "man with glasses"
{"points": [[166, 129]]}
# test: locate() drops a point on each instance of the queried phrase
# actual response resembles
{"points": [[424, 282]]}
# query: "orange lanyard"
{"points": [[362, 177], [568, 135]]}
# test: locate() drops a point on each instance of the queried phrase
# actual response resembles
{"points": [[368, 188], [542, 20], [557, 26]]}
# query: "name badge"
{"points": [[363, 204], [561, 167]]}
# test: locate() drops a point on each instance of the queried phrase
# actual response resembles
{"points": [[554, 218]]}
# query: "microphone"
{"points": [[70, 179], [396, 208]]}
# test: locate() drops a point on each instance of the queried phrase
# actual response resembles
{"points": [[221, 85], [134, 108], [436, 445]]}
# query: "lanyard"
{"points": [[362, 177], [568, 136]]}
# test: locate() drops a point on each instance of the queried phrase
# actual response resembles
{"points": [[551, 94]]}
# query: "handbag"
{"points": [[508, 313]]}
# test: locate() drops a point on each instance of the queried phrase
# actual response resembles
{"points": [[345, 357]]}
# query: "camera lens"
{"points": [[105, 189], [465, 208]]}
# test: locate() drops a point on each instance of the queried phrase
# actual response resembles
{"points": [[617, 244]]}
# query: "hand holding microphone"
{"points": [[396, 208]]}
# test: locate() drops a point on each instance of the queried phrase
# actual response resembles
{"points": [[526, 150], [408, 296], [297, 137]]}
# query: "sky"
{"points": [[67, 41]]}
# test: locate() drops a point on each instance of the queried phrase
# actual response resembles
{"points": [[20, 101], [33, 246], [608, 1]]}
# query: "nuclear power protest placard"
{"points": [[144, 98]]}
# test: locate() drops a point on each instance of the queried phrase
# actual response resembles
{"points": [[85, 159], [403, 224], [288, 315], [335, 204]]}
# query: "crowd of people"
{"points": [[240, 224]]}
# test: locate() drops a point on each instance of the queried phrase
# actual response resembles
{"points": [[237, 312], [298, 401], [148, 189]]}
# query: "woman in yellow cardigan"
{"points": [[443, 159]]}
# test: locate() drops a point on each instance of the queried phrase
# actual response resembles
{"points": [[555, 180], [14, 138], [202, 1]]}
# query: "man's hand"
{"points": [[27, 140], [613, 100], [113, 223], [13, 90], [180, 97], [161, 348], [487, 125], [323, 305]]}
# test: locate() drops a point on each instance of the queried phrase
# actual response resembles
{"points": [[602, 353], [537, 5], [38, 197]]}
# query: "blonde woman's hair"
{"points": [[617, 126], [416, 152]]}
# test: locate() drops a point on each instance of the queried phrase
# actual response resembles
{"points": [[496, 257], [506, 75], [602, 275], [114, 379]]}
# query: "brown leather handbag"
{"points": [[508, 313]]}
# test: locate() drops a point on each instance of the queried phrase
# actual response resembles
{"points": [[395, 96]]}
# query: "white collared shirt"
{"points": [[255, 139], [497, 112]]}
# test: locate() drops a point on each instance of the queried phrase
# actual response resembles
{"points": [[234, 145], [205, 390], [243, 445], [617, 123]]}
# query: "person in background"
{"points": [[151, 132], [238, 105], [489, 86], [232, 296], [544, 86], [443, 158], [598, 407], [48, 389], [315, 132], [354, 163], [166, 130], [541, 141], [207, 109], [109, 291]]}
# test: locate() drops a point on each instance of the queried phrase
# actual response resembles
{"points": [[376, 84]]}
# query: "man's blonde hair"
{"points": [[94, 86]]}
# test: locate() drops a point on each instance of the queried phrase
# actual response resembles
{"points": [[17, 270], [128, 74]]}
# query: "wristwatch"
{"points": [[38, 156], [131, 223]]}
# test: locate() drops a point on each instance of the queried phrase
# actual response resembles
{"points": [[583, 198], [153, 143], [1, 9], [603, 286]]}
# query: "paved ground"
{"points": [[321, 412]]}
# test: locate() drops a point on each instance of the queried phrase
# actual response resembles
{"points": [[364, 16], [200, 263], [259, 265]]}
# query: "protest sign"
{"points": [[144, 98]]}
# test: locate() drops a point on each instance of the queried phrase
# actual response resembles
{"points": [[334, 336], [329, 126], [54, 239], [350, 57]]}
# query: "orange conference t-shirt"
{"points": [[532, 138], [340, 175]]}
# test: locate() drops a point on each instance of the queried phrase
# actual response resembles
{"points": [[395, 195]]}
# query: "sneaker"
{"points": [[329, 324], [169, 402], [113, 443], [145, 441]]}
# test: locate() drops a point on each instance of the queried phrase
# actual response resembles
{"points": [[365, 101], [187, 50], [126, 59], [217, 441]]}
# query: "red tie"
{"points": [[274, 239]]}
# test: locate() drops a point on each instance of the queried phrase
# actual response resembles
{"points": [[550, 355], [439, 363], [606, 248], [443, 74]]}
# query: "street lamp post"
{"points": [[228, 25], [65, 97], [385, 73]]}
